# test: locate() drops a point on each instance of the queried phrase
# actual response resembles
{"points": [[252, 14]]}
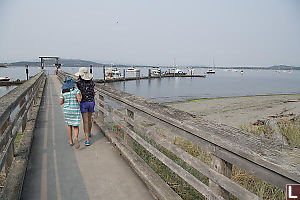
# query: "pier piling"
{"points": [[27, 73]]}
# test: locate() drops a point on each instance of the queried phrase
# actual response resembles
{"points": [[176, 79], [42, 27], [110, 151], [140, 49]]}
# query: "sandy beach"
{"points": [[238, 111]]}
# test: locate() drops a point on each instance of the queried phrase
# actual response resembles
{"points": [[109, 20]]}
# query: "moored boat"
{"points": [[155, 71], [112, 73], [175, 71], [132, 69], [211, 71], [4, 78]]}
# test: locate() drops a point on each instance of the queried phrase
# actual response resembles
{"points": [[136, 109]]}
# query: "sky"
{"points": [[153, 32]]}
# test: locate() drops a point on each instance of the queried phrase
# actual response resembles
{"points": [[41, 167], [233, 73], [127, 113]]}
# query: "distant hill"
{"points": [[274, 67], [283, 67], [64, 62], [70, 63]]}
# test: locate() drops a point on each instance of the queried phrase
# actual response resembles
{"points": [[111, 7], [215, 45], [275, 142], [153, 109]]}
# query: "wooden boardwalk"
{"points": [[58, 171]]}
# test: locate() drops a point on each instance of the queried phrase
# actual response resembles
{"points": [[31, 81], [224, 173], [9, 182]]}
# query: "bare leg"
{"points": [[76, 131], [85, 125], [90, 124], [70, 134]]}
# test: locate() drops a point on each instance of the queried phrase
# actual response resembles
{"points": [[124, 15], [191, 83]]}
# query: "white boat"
{"points": [[155, 71], [113, 73], [132, 69], [176, 71], [211, 71], [4, 78]]}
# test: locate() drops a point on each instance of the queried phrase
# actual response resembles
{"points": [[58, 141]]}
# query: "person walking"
{"points": [[70, 97], [87, 105]]}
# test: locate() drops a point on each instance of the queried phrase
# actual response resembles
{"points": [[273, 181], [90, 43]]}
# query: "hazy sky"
{"points": [[233, 32]]}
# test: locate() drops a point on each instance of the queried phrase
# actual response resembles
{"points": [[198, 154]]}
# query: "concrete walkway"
{"points": [[59, 171]]}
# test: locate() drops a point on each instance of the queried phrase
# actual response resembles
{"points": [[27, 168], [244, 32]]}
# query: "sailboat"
{"points": [[210, 71]]}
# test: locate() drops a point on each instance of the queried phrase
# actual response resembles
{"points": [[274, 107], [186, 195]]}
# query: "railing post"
{"points": [[104, 73], [222, 167], [28, 97], [100, 113], [22, 112], [127, 138]]}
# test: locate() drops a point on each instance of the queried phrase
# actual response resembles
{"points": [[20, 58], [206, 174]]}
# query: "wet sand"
{"points": [[238, 111]]}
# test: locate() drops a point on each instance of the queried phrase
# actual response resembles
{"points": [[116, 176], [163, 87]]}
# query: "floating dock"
{"points": [[145, 77], [10, 83]]}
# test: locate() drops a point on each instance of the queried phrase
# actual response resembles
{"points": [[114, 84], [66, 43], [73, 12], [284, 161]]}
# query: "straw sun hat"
{"points": [[84, 74]]}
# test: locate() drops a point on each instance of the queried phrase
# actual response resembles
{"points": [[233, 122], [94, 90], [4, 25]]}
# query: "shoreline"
{"points": [[242, 110], [212, 98]]}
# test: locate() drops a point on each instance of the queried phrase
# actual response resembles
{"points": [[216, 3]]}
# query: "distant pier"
{"points": [[145, 77], [11, 83]]}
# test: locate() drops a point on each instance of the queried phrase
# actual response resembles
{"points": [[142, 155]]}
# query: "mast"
{"points": [[174, 65]]}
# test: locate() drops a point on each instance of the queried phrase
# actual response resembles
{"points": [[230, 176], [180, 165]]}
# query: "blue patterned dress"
{"points": [[71, 107]]}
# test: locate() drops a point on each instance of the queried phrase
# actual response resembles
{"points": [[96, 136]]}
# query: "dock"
{"points": [[11, 83], [146, 77]]}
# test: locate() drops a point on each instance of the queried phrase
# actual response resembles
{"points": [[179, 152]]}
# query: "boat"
{"points": [[112, 73], [132, 69], [211, 71], [155, 71], [242, 72], [176, 71], [4, 78]]}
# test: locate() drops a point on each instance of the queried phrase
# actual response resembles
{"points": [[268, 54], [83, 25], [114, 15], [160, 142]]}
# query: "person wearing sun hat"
{"points": [[70, 97], [86, 86]]}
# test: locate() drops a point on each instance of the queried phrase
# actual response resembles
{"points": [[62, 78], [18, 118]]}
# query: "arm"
{"points": [[61, 101], [79, 97]]}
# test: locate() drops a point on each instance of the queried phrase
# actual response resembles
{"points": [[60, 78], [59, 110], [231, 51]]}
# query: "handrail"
{"points": [[275, 163], [20, 100]]}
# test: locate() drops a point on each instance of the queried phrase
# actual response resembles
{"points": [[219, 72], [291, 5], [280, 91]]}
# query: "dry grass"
{"points": [[246, 180], [291, 130], [259, 130]]}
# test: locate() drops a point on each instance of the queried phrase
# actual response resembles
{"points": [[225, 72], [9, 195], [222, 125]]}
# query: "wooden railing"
{"points": [[15, 108], [272, 162]]}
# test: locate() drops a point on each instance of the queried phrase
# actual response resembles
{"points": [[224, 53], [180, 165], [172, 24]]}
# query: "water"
{"points": [[221, 84]]}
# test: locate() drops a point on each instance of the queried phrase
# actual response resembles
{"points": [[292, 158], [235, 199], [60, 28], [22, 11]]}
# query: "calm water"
{"points": [[221, 84]]}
